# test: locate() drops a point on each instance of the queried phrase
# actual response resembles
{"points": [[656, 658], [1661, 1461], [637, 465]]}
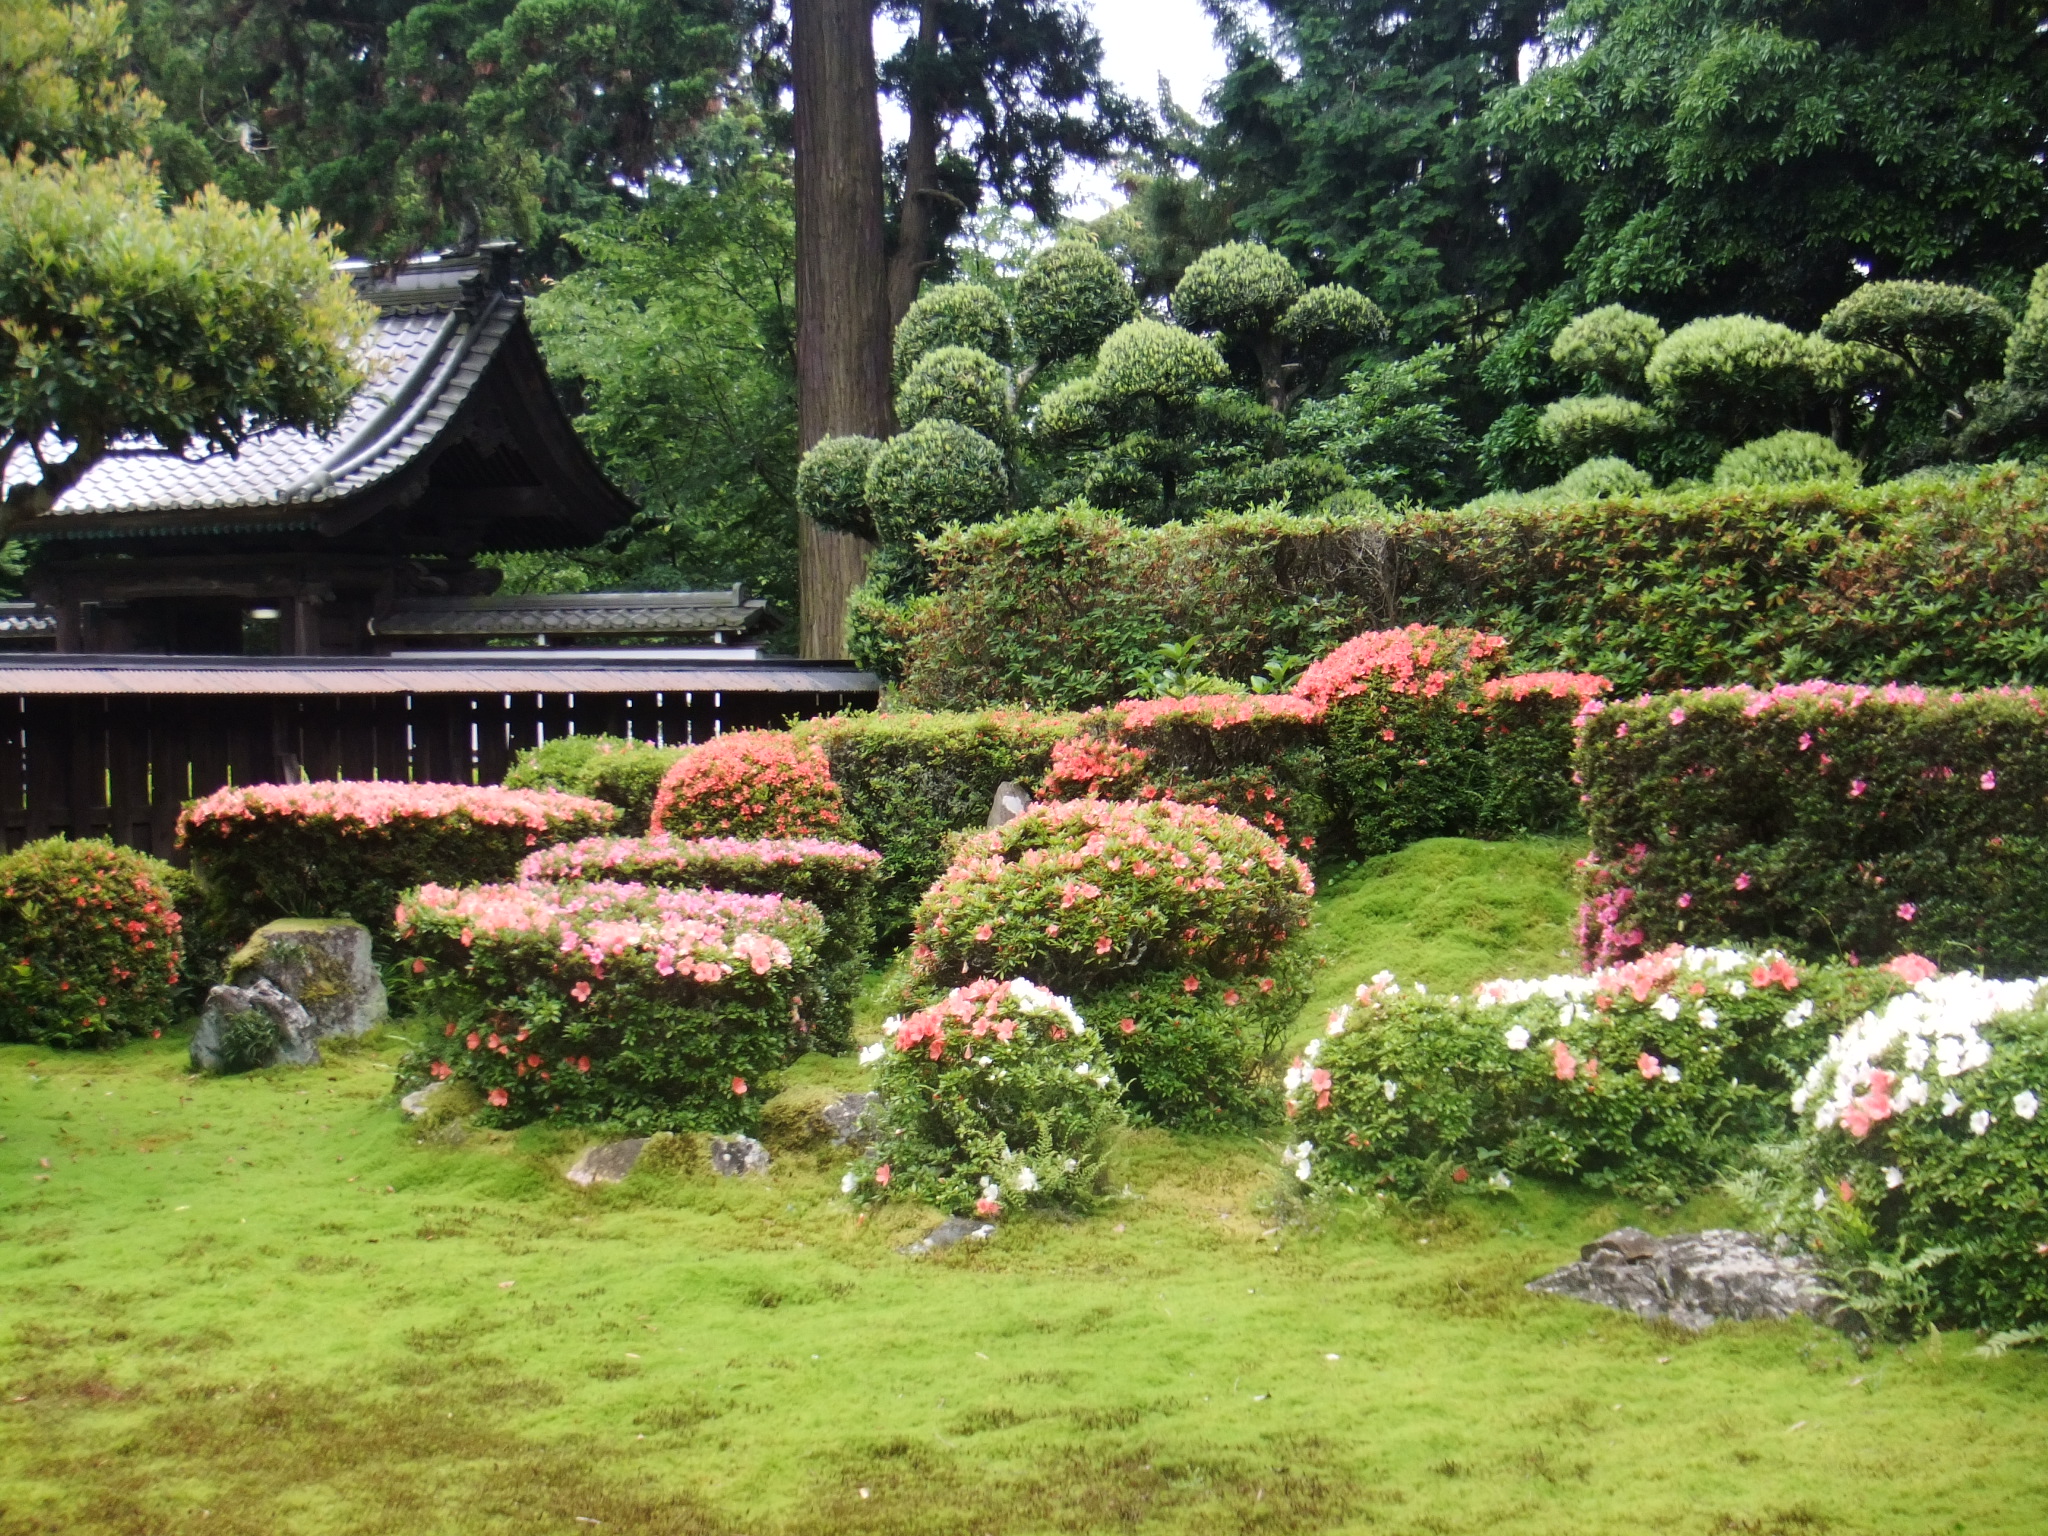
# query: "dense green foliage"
{"points": [[1823, 818], [90, 947], [624, 773]]}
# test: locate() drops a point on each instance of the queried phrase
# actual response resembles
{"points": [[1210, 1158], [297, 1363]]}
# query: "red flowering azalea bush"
{"points": [[1646, 1078], [89, 944], [1825, 818], [1169, 924], [836, 878], [749, 784], [647, 1007], [1258, 756], [996, 1097], [1921, 1179], [1427, 739], [914, 781], [347, 849]]}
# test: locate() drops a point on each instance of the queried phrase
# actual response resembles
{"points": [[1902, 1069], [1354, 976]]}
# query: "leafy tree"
{"points": [[1284, 339], [1610, 346], [1948, 337], [416, 125], [1732, 374], [1395, 430], [125, 317], [1758, 155], [675, 333]]}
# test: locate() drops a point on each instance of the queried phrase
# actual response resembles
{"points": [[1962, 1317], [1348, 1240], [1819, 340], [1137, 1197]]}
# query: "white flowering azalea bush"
{"points": [[1644, 1079], [1925, 1152], [996, 1097]]}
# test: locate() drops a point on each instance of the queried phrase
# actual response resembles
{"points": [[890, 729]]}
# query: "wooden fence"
{"points": [[95, 746]]}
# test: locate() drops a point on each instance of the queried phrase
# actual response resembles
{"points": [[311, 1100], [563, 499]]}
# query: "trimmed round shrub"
{"points": [[1146, 360], [958, 384], [348, 849], [995, 1098], [1947, 329], [1588, 426], [1236, 288], [952, 315], [1731, 373], [619, 772], [938, 472], [1069, 298], [1923, 1169], [1258, 756], [832, 484], [1329, 321], [836, 878], [1074, 410], [2026, 353], [1645, 1079], [89, 944], [912, 782], [1597, 479], [1612, 345], [1171, 920], [1785, 458], [623, 1004], [748, 784]]}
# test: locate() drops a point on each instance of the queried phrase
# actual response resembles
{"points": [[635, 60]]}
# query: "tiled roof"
{"points": [[593, 613], [431, 342], [510, 671], [18, 619]]}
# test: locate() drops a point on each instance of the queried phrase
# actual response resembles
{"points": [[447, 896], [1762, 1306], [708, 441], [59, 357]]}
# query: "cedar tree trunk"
{"points": [[842, 301], [920, 178]]}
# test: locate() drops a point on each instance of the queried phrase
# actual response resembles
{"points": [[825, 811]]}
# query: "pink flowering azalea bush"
{"points": [[1921, 1176], [1645, 1078], [644, 1006], [1427, 737], [1258, 756], [996, 1097], [1824, 818], [347, 849], [749, 784], [836, 878], [1171, 925], [89, 944]]}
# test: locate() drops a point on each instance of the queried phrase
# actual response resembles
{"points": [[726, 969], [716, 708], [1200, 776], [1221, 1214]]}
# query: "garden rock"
{"points": [[734, 1156], [853, 1119], [1691, 1278], [953, 1230], [231, 1035], [1011, 801], [416, 1103], [608, 1164], [324, 965]]}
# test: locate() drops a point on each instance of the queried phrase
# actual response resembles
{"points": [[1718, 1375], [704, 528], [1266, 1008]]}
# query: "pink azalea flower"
{"points": [[581, 991], [1649, 1066], [882, 1176], [1230, 998], [498, 1098], [1911, 968], [1678, 717], [1846, 1192], [1562, 1062], [987, 1207], [1856, 788], [1742, 881], [1685, 898], [1191, 984], [1989, 780], [1907, 911], [1128, 1026], [739, 1086]]}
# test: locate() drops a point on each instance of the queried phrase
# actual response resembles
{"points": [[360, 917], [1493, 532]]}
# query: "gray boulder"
{"points": [[322, 963], [1692, 1278], [853, 1119], [735, 1156], [608, 1164], [242, 1029], [1011, 801], [948, 1233]]}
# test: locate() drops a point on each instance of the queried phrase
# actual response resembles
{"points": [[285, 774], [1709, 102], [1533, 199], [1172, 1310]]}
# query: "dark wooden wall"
{"points": [[122, 766]]}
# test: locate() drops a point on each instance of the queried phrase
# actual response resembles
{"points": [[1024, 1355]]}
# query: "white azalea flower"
{"points": [[892, 1023], [1339, 1016], [1667, 1007], [1389, 1087], [871, 1054], [1084, 1069], [1564, 1016], [1820, 1199], [1421, 990], [2026, 1105], [1670, 1073], [1382, 978], [1027, 1179], [1709, 1019], [1738, 988], [1517, 1038], [1313, 1049], [1980, 1122], [1500, 1181], [1950, 1104], [1893, 1178], [848, 1183]]}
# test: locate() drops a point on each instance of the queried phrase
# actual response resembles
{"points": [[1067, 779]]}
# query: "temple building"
{"points": [[362, 542]]}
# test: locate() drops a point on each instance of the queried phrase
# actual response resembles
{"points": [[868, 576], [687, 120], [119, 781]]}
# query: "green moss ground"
{"points": [[264, 1305]]}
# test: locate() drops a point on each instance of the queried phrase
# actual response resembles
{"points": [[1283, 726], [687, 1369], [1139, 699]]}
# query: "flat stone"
{"points": [[608, 1164], [260, 1004], [1693, 1279], [323, 964], [1011, 801], [736, 1156], [953, 1230]]}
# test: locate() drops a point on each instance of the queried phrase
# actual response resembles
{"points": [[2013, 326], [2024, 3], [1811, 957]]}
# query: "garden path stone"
{"points": [[734, 1156], [323, 964], [608, 1164], [1692, 1278], [954, 1229], [293, 1031], [1011, 801]]}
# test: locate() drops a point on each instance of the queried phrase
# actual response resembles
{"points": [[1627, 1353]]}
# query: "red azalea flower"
{"points": [[498, 1097], [739, 1085]]}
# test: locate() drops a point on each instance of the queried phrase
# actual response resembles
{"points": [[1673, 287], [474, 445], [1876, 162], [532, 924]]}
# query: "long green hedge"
{"points": [[1927, 580]]}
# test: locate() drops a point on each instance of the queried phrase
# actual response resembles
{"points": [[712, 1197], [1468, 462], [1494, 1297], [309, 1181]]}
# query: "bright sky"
{"points": [[1141, 40]]}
